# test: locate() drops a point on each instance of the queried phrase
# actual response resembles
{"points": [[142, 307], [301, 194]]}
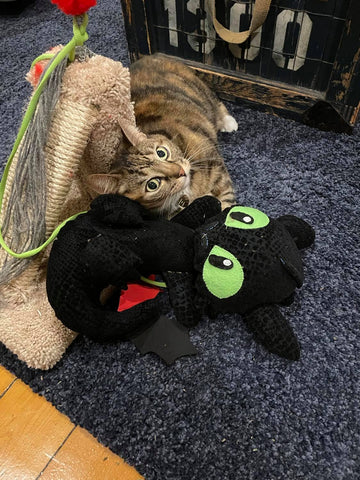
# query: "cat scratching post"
{"points": [[28, 326], [85, 134]]}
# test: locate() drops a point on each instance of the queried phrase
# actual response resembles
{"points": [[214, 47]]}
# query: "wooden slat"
{"points": [[83, 457], [289, 101], [37, 441], [31, 432], [6, 379], [344, 83], [136, 26]]}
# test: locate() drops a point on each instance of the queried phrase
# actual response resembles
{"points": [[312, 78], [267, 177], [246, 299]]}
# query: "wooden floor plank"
{"points": [[31, 432], [83, 457], [37, 442], [6, 379]]}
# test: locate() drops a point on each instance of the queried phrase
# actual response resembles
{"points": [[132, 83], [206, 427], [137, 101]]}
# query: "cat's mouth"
{"points": [[186, 181], [185, 177]]}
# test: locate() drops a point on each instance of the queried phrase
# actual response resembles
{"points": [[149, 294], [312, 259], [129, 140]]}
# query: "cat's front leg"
{"points": [[227, 203], [226, 195], [225, 121]]}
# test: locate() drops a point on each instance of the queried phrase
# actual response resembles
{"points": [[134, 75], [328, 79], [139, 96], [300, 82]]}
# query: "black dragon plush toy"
{"points": [[238, 261]]}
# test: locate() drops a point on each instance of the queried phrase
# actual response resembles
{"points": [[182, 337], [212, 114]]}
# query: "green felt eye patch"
{"points": [[222, 273], [246, 218]]}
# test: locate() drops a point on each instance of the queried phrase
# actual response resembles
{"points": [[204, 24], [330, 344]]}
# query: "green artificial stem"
{"points": [[44, 56], [80, 36], [153, 282], [34, 251]]}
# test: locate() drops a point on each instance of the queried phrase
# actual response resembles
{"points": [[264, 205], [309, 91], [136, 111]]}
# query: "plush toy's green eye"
{"points": [[222, 273], [153, 184], [246, 218]]}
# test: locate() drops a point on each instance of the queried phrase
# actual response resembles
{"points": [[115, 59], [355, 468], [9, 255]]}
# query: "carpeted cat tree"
{"points": [[74, 125]]}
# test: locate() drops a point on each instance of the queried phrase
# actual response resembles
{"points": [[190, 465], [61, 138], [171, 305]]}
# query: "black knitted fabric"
{"points": [[115, 243], [105, 247], [269, 256]]}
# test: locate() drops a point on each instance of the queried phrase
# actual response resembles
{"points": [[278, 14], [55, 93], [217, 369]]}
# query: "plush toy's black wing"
{"points": [[273, 331], [167, 338]]}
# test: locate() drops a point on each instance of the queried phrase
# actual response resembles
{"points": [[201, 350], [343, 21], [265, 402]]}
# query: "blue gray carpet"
{"points": [[233, 411]]}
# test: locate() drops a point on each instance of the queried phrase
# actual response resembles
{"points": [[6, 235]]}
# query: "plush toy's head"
{"points": [[246, 259], [248, 263]]}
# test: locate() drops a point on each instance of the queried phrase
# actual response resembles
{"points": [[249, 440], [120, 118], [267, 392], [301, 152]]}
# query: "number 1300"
{"points": [[283, 19]]}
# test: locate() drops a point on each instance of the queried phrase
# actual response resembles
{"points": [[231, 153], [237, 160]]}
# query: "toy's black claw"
{"points": [[198, 212], [273, 331]]}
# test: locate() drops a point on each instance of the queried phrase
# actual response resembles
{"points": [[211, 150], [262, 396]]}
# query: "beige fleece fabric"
{"points": [[84, 137]]}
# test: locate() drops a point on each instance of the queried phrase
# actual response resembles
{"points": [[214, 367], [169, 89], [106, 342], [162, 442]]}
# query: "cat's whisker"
{"points": [[199, 152], [209, 162], [188, 143], [199, 147]]}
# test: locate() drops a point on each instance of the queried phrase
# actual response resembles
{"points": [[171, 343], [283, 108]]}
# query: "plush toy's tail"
{"points": [[103, 325]]}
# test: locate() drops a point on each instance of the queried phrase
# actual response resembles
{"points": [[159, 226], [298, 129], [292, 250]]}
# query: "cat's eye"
{"points": [[162, 153], [153, 184]]}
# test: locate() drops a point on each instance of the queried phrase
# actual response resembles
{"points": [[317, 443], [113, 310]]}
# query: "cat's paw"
{"points": [[229, 124]]}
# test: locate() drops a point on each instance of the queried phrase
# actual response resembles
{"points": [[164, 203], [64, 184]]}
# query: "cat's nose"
{"points": [[182, 172]]}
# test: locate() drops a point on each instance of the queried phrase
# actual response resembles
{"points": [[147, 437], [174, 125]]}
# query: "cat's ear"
{"points": [[132, 133], [105, 183]]}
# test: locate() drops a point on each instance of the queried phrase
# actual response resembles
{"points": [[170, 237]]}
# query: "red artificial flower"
{"points": [[38, 70], [74, 7]]}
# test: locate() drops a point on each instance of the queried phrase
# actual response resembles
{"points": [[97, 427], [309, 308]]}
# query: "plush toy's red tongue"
{"points": [[137, 293]]}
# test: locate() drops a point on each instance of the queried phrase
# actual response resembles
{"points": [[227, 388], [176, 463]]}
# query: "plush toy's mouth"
{"points": [[136, 293]]}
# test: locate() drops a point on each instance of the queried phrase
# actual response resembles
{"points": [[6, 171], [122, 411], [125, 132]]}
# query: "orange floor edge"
{"points": [[39, 442]]}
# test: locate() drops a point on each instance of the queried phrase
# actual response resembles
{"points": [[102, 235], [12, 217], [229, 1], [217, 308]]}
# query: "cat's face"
{"points": [[154, 173]]}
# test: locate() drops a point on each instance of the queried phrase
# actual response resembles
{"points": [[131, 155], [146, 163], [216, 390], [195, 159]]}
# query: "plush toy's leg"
{"points": [[119, 210], [273, 331], [302, 233], [198, 212], [181, 293]]}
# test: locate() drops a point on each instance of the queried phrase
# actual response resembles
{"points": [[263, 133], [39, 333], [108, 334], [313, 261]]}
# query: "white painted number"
{"points": [[252, 52], [170, 7], [285, 17], [206, 26]]}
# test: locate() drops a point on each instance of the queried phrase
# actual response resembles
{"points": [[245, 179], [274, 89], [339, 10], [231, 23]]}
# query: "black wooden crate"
{"points": [[303, 63]]}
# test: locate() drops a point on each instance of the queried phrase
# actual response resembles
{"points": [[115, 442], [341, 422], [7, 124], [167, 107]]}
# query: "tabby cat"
{"points": [[178, 160]]}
